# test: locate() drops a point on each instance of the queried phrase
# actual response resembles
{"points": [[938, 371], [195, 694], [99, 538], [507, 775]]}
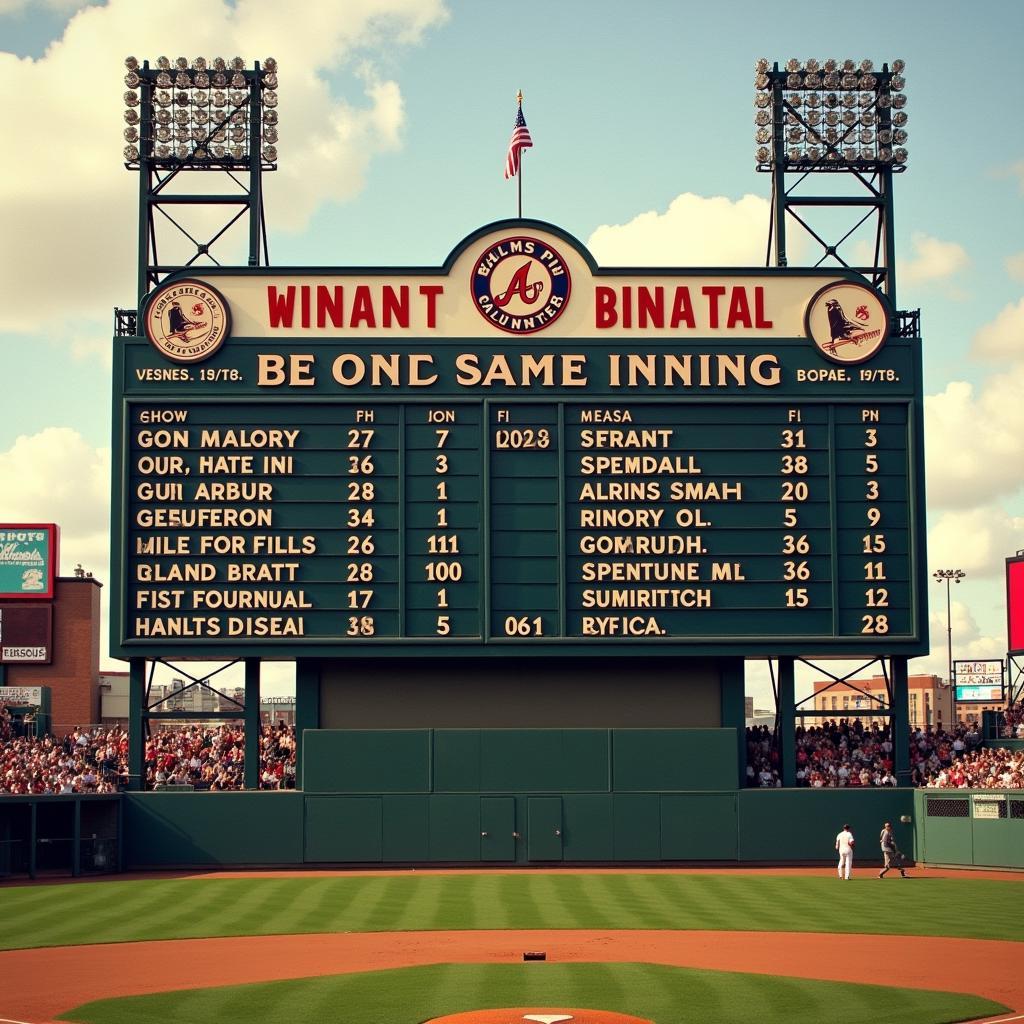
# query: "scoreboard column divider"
{"points": [[402, 597], [562, 454], [833, 516], [485, 519]]}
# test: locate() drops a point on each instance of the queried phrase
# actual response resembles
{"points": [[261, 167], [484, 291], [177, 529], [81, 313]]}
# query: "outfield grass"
{"points": [[135, 910], [665, 995]]}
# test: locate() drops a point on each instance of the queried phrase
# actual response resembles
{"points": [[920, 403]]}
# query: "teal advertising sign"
{"points": [[518, 453], [28, 560]]}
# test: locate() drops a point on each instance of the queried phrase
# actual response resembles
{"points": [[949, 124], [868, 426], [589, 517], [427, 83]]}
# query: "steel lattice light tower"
{"points": [[956, 575], [184, 117], [844, 119]]}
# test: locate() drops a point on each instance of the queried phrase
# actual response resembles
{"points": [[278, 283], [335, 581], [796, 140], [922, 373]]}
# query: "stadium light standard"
{"points": [[956, 575]]}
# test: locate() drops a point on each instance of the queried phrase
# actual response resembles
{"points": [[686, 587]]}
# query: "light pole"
{"points": [[956, 575]]}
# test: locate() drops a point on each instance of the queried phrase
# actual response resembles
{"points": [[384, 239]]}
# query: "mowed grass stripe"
{"points": [[179, 908], [665, 995]]}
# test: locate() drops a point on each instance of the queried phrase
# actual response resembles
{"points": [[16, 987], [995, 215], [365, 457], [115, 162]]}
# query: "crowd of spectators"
{"points": [[1013, 722], [96, 760], [849, 753]]}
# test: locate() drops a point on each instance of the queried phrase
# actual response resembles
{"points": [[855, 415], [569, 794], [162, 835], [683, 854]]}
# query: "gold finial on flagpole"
{"points": [[519, 97]]}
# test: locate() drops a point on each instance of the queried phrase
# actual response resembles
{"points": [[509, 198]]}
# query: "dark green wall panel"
{"points": [[454, 827], [168, 829], [698, 826], [406, 828], [343, 829], [636, 826], [588, 826], [456, 760], [646, 760], [366, 761], [802, 824]]}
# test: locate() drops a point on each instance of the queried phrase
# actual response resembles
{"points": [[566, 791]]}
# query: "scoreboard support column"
{"points": [[136, 727], [307, 707], [732, 682], [787, 721], [900, 721], [252, 723]]}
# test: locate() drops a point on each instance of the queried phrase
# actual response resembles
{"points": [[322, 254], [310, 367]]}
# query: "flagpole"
{"points": [[519, 100]]}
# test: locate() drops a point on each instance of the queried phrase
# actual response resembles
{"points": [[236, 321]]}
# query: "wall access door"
{"points": [[544, 820], [497, 828]]}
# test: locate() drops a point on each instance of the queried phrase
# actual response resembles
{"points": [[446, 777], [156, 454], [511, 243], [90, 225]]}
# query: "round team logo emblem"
{"points": [[187, 321], [848, 323], [521, 285]]}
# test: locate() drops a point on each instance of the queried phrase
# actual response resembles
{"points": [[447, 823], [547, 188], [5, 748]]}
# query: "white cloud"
{"points": [[974, 441], [1015, 266], [68, 207], [56, 476], [976, 540], [933, 260], [694, 231], [1003, 338]]}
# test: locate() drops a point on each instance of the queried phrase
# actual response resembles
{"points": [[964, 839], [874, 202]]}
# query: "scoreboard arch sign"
{"points": [[518, 452]]}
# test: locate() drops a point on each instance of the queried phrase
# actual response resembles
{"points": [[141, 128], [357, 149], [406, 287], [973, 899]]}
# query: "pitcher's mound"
{"points": [[526, 1015]]}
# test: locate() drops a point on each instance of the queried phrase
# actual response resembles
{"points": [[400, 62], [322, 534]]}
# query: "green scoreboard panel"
{"points": [[663, 462]]}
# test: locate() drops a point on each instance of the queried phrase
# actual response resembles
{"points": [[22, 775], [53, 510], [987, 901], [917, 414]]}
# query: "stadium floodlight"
{"points": [[830, 115], [201, 114]]}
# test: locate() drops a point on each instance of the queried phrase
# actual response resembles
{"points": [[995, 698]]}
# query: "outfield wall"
{"points": [[976, 828]]}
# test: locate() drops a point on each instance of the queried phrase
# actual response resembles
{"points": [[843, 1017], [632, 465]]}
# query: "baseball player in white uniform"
{"points": [[844, 844]]}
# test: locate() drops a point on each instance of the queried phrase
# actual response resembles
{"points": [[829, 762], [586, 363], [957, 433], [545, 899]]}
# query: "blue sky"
{"points": [[395, 115]]}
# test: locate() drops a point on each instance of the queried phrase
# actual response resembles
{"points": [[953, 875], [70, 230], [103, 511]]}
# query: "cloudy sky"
{"points": [[395, 116]]}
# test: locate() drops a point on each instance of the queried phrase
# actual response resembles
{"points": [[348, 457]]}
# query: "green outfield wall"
{"points": [[977, 828]]}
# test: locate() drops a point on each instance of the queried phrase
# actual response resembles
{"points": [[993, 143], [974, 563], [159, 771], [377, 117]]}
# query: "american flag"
{"points": [[520, 140]]}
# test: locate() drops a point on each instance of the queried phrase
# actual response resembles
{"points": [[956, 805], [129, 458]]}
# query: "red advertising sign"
{"points": [[1015, 605]]}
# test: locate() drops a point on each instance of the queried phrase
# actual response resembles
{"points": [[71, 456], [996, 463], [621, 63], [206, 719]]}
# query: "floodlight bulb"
{"points": [[238, 80], [270, 135], [899, 100], [270, 64], [763, 155], [830, 64], [200, 99], [270, 117], [792, 64], [762, 117], [794, 81], [761, 99], [163, 151], [218, 64], [270, 98], [848, 81], [131, 63], [131, 134], [796, 100], [237, 97], [132, 80], [131, 98], [131, 154], [849, 118], [220, 80], [865, 99], [181, 117], [794, 135], [181, 80], [867, 65], [202, 80], [237, 64], [761, 67], [181, 63], [885, 154], [163, 117], [830, 80], [899, 136], [162, 98], [164, 80], [182, 152], [898, 67], [814, 117], [200, 117], [812, 80], [270, 153], [763, 136], [866, 137], [868, 82], [885, 136], [761, 82], [832, 118], [199, 63], [238, 135], [850, 153], [163, 63], [867, 153], [885, 101], [899, 118], [238, 152], [813, 153], [897, 82], [218, 152], [848, 65], [814, 100], [219, 99], [899, 156], [811, 64], [270, 81], [131, 117]]}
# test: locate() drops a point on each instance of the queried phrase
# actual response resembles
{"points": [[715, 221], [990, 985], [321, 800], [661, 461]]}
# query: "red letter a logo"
{"points": [[529, 293]]}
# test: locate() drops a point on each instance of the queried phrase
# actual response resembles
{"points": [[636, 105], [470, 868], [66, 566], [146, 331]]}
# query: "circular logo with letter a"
{"points": [[847, 322], [521, 285], [187, 321]]}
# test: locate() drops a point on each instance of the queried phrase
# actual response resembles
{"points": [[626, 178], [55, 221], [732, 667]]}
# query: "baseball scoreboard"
{"points": [[518, 452]]}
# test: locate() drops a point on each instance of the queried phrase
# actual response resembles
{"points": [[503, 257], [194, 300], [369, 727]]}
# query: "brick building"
{"points": [[930, 701], [73, 674]]}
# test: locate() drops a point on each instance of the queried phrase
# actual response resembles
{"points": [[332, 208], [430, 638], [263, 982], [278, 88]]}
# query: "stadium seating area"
{"points": [[835, 753], [96, 760]]}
